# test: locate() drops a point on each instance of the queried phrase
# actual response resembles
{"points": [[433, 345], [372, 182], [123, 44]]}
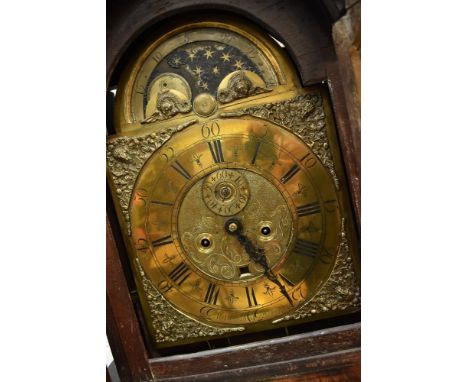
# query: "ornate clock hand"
{"points": [[257, 254]]}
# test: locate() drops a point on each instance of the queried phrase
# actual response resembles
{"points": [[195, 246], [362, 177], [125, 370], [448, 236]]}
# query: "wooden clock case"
{"points": [[324, 351]]}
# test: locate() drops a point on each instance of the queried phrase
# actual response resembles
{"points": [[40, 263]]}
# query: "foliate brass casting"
{"points": [[125, 158], [229, 187], [240, 84], [169, 94]]}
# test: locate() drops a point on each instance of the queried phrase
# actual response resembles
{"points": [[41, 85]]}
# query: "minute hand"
{"points": [[256, 254]]}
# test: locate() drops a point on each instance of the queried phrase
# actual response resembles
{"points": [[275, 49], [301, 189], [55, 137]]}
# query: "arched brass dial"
{"points": [[229, 187]]}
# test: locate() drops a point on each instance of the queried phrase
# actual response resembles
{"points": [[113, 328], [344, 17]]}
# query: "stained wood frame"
{"points": [[327, 355]]}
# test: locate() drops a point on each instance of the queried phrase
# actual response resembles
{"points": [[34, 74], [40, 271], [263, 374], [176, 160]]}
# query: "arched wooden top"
{"points": [[306, 35]]}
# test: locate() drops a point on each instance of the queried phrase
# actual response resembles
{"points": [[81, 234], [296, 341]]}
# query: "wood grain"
{"points": [[347, 40], [347, 137], [343, 366], [298, 353], [123, 329]]}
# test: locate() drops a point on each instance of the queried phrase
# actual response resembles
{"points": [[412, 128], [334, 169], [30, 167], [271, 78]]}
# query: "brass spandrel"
{"points": [[341, 290], [172, 326], [126, 156]]}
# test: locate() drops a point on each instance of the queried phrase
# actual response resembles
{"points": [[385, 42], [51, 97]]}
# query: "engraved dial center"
{"points": [[224, 202]]}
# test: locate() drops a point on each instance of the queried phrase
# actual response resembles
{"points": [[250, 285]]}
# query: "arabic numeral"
{"points": [[164, 286], [168, 154], [210, 130], [141, 195], [157, 57]]}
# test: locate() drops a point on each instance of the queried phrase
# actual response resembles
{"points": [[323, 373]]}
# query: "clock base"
{"points": [[333, 352]]}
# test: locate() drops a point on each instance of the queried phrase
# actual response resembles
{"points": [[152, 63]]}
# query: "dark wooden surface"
{"points": [[282, 357], [123, 330], [333, 367], [351, 158], [347, 41]]}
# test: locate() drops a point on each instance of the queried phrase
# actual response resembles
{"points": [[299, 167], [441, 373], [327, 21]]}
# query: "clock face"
{"points": [[229, 188], [235, 222]]}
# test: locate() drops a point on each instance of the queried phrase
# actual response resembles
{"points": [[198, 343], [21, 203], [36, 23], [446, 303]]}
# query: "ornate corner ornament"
{"points": [[302, 115], [239, 85], [127, 155], [341, 290], [169, 104], [169, 324]]}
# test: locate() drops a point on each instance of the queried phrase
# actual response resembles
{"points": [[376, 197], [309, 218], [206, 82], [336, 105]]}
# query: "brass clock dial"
{"points": [[264, 178], [230, 192]]}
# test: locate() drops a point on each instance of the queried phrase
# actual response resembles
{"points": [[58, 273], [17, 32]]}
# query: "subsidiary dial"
{"points": [[226, 192]]}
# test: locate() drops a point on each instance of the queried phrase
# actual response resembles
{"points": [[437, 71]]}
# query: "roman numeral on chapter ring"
{"points": [[162, 241], [257, 148], [251, 297], [211, 295], [179, 274], [181, 170], [307, 160], [291, 172], [162, 203], [216, 151], [306, 248], [308, 209]]}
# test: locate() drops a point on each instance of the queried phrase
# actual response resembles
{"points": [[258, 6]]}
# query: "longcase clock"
{"points": [[227, 179]]}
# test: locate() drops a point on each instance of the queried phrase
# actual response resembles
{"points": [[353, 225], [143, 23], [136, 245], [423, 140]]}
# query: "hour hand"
{"points": [[257, 254]]}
